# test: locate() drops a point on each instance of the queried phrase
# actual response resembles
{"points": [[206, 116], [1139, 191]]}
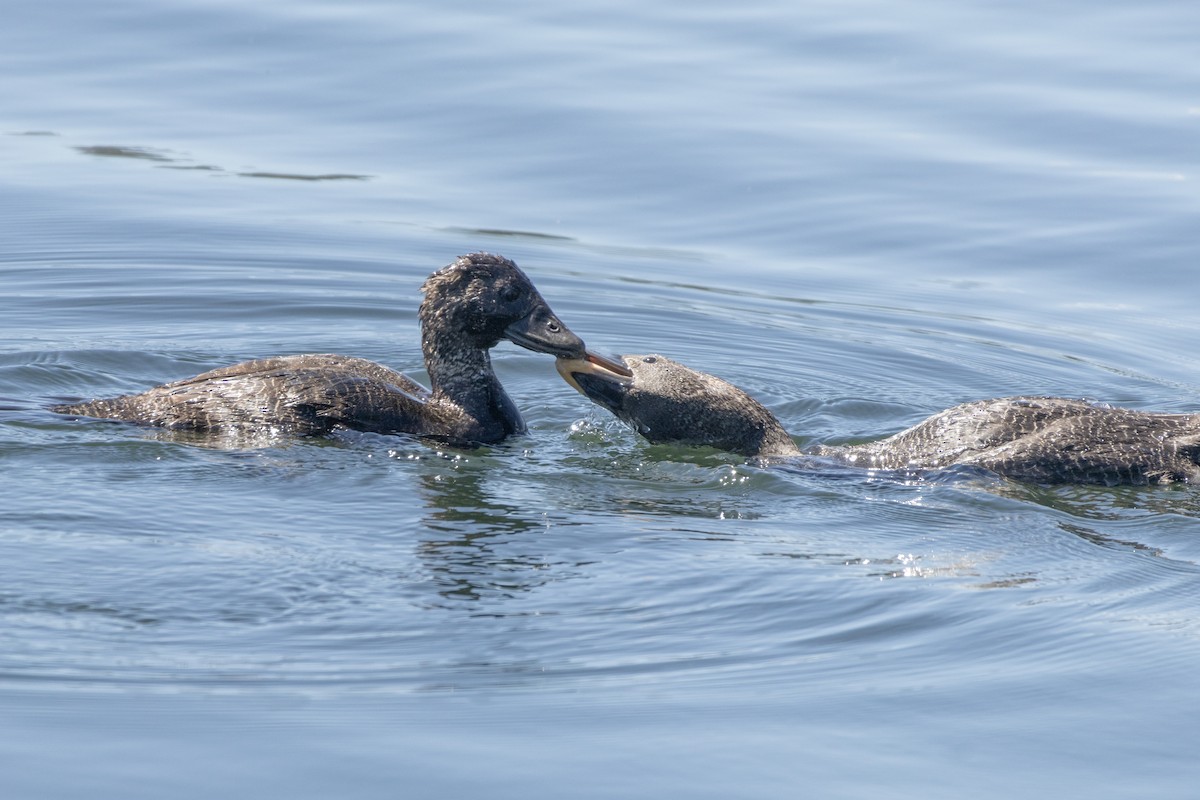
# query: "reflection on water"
{"points": [[291, 176], [503, 234], [171, 160], [144, 153], [1115, 503], [470, 539]]}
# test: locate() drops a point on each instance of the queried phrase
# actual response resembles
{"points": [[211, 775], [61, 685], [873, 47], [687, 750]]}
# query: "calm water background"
{"points": [[862, 212]]}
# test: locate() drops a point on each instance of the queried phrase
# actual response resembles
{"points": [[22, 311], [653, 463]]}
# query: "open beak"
{"points": [[594, 374], [543, 332]]}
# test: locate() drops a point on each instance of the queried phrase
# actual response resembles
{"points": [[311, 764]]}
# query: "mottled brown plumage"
{"points": [[1036, 439], [665, 402], [469, 306], [1043, 440]]}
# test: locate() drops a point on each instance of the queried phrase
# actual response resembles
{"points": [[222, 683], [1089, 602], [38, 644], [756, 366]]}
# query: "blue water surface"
{"points": [[861, 212]]}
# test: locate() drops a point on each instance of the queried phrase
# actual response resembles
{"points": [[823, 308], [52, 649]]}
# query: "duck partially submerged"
{"points": [[468, 307], [667, 402], [1035, 439]]}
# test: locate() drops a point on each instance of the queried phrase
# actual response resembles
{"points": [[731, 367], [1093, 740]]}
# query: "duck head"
{"points": [[486, 298], [667, 402]]}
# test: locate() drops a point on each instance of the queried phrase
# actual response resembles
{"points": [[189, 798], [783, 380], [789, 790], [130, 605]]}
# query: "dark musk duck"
{"points": [[468, 307]]}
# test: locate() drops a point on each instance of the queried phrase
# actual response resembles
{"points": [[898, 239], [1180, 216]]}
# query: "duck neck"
{"points": [[461, 374]]}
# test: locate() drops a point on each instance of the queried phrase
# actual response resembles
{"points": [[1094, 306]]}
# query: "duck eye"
{"points": [[649, 360], [510, 293]]}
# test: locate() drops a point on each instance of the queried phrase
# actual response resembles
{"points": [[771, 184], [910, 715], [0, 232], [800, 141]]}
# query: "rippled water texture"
{"points": [[860, 212]]}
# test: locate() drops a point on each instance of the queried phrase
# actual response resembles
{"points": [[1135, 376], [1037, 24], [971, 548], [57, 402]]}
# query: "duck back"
{"points": [[1043, 440]]}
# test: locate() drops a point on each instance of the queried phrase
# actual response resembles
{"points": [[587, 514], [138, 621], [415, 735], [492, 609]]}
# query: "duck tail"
{"points": [[114, 408]]}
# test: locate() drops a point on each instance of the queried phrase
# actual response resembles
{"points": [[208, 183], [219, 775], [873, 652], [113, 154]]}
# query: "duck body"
{"points": [[1034, 439], [666, 402], [469, 306], [310, 395], [1042, 440]]}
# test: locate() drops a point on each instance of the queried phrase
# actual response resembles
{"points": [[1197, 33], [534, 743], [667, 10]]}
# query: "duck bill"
{"points": [[543, 332], [600, 379]]}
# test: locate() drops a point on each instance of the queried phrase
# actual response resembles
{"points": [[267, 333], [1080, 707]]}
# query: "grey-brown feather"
{"points": [[1044, 440], [668, 402], [303, 394]]}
